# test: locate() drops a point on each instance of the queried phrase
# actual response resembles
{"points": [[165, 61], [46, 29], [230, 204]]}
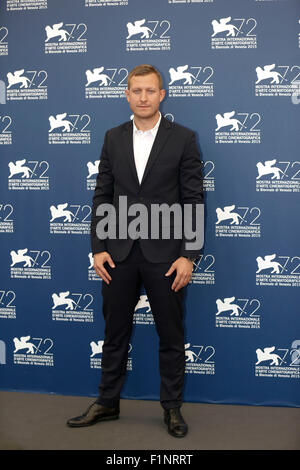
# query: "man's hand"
{"points": [[99, 260], [184, 269]]}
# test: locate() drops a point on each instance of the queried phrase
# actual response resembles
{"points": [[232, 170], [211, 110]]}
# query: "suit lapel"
{"points": [[128, 149], [162, 136]]}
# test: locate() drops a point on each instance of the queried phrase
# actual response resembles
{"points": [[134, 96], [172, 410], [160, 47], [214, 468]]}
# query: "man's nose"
{"points": [[144, 95]]}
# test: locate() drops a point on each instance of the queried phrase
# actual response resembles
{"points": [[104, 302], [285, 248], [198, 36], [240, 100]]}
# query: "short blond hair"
{"points": [[144, 69]]}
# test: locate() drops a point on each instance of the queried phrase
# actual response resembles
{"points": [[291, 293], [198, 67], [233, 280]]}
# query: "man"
{"points": [[148, 163]]}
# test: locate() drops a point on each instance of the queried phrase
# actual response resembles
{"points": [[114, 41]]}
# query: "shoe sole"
{"points": [[106, 418], [176, 435]]}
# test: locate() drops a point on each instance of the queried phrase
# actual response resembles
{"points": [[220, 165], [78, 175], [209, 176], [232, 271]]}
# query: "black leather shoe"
{"points": [[94, 414], [177, 427]]}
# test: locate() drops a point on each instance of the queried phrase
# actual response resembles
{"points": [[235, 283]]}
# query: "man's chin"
{"points": [[145, 113]]}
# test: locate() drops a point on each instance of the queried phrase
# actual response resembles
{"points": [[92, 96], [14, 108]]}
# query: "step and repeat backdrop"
{"points": [[231, 70]]}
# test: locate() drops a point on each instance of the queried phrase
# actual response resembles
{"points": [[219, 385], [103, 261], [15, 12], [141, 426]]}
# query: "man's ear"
{"points": [[162, 94], [127, 95]]}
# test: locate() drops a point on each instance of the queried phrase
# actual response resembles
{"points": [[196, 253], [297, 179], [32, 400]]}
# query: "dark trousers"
{"points": [[119, 300]]}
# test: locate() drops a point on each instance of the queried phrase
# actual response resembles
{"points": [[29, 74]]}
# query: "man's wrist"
{"points": [[190, 258]]}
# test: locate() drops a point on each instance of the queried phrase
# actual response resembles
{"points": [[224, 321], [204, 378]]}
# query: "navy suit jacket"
{"points": [[173, 174]]}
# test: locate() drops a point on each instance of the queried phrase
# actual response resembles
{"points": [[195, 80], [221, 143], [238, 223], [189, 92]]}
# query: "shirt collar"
{"points": [[151, 131]]}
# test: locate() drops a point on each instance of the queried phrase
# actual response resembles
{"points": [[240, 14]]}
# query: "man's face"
{"points": [[144, 95]]}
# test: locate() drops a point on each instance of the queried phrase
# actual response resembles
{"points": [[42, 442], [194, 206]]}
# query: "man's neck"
{"points": [[146, 124]]}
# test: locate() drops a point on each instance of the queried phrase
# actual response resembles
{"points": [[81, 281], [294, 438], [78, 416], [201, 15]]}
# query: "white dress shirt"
{"points": [[142, 145]]}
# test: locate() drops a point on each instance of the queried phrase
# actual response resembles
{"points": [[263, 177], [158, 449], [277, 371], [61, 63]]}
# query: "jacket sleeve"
{"points": [[103, 193], [192, 199]]}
